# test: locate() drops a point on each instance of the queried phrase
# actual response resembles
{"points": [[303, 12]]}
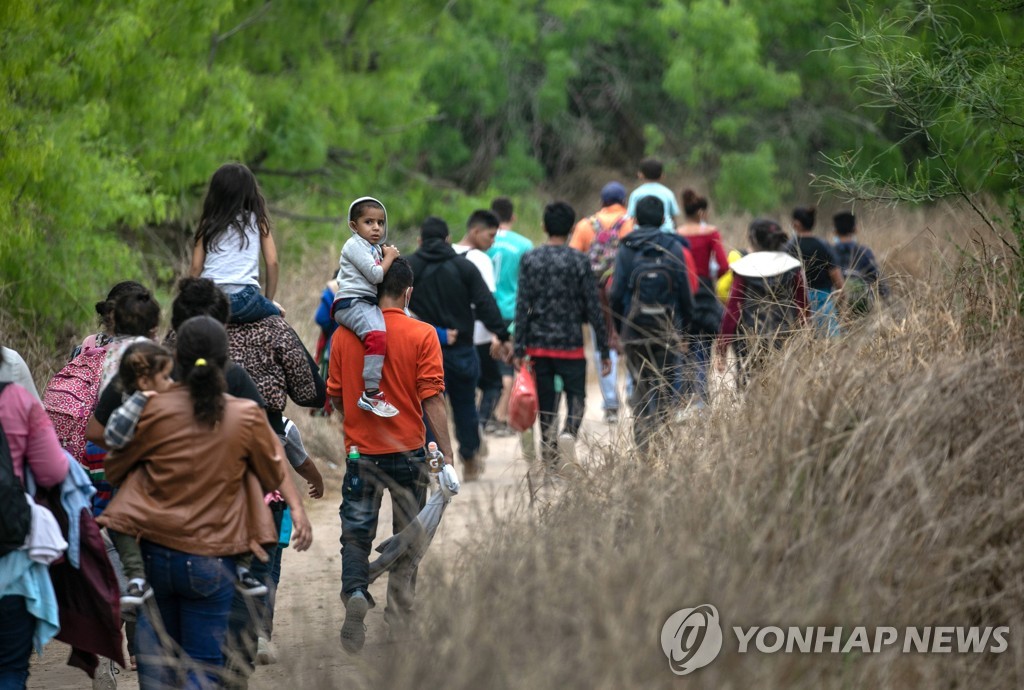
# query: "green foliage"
{"points": [[114, 115]]}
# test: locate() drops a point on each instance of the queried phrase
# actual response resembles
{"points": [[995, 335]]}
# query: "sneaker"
{"points": [[137, 591], [105, 672], [266, 654], [611, 416], [377, 404], [566, 448], [248, 585], [353, 632]]}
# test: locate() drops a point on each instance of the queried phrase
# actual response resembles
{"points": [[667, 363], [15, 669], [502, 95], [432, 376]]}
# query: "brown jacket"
{"points": [[193, 489]]}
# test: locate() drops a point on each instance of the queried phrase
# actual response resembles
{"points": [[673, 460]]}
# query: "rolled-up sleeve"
{"points": [[429, 367]]}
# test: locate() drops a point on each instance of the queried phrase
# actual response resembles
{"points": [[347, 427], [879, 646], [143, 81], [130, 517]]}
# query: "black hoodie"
{"points": [[446, 289]]}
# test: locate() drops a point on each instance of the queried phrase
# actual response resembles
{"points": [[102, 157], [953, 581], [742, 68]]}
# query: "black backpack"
{"points": [[15, 513], [652, 285]]}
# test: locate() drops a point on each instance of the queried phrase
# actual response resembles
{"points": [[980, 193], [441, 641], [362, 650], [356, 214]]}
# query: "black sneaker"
{"points": [[136, 593], [353, 632], [248, 585]]}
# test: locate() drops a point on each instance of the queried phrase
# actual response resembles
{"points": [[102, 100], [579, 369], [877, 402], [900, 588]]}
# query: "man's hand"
{"points": [[339, 409], [302, 531], [452, 334], [311, 473], [606, 366], [280, 308], [390, 251]]}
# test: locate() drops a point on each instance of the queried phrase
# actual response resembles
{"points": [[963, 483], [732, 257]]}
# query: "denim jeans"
{"points": [[192, 595], [609, 383], [489, 383], [250, 305], [405, 476], [461, 373], [695, 369], [824, 315], [15, 642], [573, 373]]}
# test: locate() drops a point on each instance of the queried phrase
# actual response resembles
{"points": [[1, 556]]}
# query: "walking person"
{"points": [[862, 278], [649, 175], [481, 229], [767, 303], [598, 237], [506, 253], [821, 270], [557, 296], [709, 260], [386, 453], [651, 297], [28, 604], [449, 292], [163, 474]]}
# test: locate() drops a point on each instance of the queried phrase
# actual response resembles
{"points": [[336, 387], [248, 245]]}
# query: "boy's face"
{"points": [[370, 225], [482, 238]]}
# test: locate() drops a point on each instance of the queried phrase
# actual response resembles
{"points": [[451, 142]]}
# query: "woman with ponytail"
{"points": [[767, 303], [191, 485]]}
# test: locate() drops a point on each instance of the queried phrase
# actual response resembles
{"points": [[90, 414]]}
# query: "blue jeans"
{"points": [[250, 305], [461, 373], [405, 476], [15, 642], [192, 595], [695, 374], [823, 312]]}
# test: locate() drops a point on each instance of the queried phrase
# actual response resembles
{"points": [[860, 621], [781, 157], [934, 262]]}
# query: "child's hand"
{"points": [[149, 394], [391, 252], [280, 308]]}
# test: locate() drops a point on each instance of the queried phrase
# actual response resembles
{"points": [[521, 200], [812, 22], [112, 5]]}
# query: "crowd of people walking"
{"points": [[149, 482]]}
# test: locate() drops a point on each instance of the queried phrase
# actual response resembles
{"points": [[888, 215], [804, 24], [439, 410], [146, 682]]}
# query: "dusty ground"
{"points": [[309, 613]]}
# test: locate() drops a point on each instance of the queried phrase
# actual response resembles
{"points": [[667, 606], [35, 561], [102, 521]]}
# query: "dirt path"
{"points": [[309, 612]]}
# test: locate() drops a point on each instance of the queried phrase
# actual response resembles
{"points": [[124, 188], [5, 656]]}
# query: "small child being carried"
{"points": [[146, 370], [363, 263], [233, 231]]}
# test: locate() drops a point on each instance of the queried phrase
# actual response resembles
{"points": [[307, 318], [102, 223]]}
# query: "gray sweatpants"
{"points": [[367, 322]]}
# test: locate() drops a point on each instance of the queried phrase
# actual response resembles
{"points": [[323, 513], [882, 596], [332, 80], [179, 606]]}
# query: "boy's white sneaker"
{"points": [[377, 404]]}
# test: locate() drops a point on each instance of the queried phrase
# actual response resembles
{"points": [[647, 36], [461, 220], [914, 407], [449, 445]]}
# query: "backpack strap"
{"points": [[596, 223]]}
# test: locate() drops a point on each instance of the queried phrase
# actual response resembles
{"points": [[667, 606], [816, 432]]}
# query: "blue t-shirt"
{"points": [[662, 192], [506, 253]]}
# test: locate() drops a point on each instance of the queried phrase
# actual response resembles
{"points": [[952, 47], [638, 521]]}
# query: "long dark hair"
{"points": [[233, 196], [202, 352]]}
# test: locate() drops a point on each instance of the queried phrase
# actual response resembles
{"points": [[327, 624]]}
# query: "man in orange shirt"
{"points": [[607, 227], [390, 449]]}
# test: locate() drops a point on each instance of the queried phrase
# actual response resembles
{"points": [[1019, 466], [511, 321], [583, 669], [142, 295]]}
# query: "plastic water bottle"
{"points": [[355, 482], [435, 458]]}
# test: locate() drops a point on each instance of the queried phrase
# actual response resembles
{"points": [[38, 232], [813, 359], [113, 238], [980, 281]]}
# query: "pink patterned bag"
{"points": [[71, 395]]}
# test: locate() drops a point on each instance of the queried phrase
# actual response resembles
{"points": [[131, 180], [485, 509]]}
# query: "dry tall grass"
{"points": [[874, 480]]}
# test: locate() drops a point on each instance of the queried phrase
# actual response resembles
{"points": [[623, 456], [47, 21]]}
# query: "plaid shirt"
{"points": [[120, 429]]}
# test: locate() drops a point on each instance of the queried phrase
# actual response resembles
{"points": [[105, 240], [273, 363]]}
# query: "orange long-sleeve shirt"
{"points": [[413, 372]]}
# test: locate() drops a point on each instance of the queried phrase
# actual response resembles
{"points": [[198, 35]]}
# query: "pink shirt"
{"points": [[31, 438]]}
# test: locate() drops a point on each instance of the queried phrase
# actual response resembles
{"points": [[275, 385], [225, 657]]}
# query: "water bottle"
{"points": [[355, 482], [435, 458]]}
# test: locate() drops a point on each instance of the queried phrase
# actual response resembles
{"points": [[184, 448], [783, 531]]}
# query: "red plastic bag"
{"points": [[522, 404]]}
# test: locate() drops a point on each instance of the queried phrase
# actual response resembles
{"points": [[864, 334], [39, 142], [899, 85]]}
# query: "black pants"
{"points": [[489, 383], [574, 384], [653, 371]]}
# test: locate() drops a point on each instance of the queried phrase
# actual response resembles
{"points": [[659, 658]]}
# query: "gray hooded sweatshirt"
{"points": [[359, 268]]}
